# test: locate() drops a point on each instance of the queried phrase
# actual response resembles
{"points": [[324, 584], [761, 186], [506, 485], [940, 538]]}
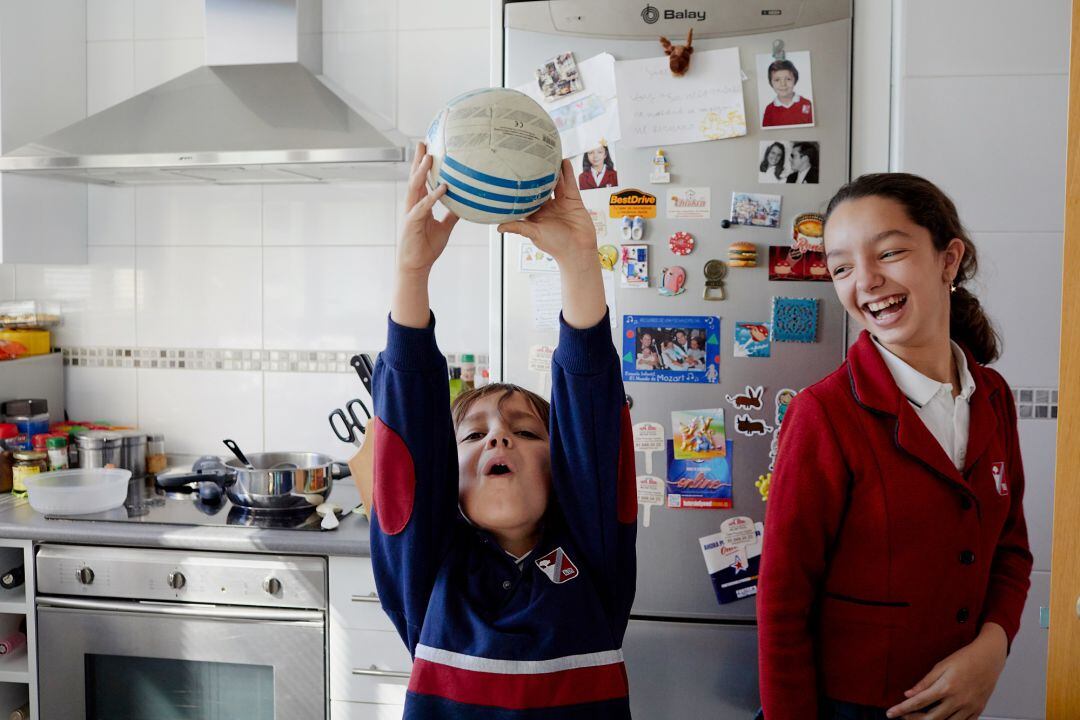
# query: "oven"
{"points": [[148, 633]]}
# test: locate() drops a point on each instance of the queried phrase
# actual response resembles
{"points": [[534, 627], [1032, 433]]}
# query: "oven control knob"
{"points": [[176, 580], [85, 575], [272, 585]]}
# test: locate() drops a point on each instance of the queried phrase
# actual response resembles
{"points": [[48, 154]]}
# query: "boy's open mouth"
{"points": [[498, 466]]}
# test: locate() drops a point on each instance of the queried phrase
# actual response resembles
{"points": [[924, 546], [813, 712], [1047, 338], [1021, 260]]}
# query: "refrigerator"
{"points": [[687, 655]]}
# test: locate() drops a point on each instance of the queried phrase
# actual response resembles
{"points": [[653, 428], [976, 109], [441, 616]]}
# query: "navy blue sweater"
{"points": [[490, 642]]}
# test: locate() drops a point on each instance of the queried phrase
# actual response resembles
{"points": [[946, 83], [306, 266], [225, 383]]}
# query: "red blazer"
{"points": [[586, 181], [880, 558]]}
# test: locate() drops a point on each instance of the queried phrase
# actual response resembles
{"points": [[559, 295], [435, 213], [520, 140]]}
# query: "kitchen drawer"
{"points": [[354, 603], [341, 710], [368, 666]]}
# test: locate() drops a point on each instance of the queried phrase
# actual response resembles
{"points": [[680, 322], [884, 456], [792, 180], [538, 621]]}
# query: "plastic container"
{"points": [[24, 343], [78, 492], [30, 416], [29, 314]]}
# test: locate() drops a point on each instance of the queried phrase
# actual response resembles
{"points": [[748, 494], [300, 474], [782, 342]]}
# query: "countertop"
{"points": [[18, 520]]}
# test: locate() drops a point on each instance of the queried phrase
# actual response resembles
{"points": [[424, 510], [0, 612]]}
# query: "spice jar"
{"points": [[27, 463], [30, 416], [7, 431], [156, 461], [56, 449]]}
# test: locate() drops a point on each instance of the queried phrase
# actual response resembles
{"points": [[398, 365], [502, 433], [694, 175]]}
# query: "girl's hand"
{"points": [[960, 685], [562, 227], [423, 238]]}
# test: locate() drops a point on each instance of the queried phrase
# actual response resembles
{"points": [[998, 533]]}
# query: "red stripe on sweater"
{"points": [[520, 692]]}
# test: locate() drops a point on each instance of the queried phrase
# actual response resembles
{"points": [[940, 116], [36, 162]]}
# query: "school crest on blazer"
{"points": [[998, 471], [557, 566]]}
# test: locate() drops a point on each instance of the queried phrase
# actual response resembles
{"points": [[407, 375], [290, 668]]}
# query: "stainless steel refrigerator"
{"points": [[689, 656]]}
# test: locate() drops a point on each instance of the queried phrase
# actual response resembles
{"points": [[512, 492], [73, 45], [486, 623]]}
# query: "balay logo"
{"points": [[652, 14]]}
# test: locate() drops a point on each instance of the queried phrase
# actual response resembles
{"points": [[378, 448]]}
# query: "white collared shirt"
{"points": [[947, 418], [794, 99]]}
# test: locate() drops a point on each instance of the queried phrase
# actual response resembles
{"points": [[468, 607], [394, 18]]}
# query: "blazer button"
{"points": [[962, 615], [506, 584], [967, 557]]}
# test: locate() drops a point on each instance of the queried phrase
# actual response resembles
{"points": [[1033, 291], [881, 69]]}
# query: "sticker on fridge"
{"points": [[699, 484], [752, 339], [689, 203], [756, 209], [698, 434], [733, 557], [532, 259], [671, 349]]}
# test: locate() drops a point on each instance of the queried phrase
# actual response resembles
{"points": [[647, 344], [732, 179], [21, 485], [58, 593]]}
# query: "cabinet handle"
{"points": [[375, 672], [370, 598]]}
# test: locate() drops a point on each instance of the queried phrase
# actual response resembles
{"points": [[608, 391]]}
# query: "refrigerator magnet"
{"points": [[650, 491], [755, 209], [689, 203], [649, 439], [699, 484], [609, 256], [672, 281], [671, 349], [783, 400], [681, 243], [750, 399], [659, 174], [635, 266], [698, 434], [762, 485], [631, 202], [715, 271], [752, 340], [794, 319], [732, 558], [748, 426]]}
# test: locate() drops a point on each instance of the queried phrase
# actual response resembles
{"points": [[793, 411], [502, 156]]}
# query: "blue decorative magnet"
{"points": [[794, 319]]}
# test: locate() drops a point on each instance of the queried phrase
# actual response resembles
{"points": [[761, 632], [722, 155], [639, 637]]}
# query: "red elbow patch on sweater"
{"points": [[394, 479], [626, 490]]}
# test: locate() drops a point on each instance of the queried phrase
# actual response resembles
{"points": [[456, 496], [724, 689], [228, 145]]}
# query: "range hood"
{"points": [[237, 119]]}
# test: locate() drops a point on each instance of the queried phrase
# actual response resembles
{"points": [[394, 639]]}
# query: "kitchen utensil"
{"points": [[231, 444], [78, 492], [346, 424], [133, 452], [98, 448], [329, 521], [364, 368], [279, 480]]}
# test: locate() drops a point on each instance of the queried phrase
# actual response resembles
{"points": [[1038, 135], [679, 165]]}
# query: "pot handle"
{"points": [[169, 482], [339, 470]]}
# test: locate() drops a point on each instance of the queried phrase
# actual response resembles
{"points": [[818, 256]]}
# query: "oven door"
{"points": [[102, 659]]}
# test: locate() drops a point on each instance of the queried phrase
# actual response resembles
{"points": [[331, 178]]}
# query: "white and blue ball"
{"points": [[498, 152]]}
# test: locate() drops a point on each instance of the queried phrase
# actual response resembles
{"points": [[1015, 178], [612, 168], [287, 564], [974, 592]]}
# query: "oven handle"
{"points": [[223, 612], [375, 672]]}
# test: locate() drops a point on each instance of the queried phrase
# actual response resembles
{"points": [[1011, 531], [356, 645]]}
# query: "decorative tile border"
{"points": [[318, 361], [1036, 403]]}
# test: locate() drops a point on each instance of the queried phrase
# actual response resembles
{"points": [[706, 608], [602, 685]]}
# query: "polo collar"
{"points": [[918, 388], [795, 99]]}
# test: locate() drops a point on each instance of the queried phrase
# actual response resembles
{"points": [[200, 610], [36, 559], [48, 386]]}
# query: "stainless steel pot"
{"points": [[280, 481]]}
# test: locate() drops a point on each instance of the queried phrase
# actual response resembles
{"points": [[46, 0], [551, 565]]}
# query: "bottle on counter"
{"points": [[30, 416], [12, 643], [455, 383], [156, 462], [27, 463], [13, 578], [8, 431], [22, 713], [56, 449], [468, 371]]}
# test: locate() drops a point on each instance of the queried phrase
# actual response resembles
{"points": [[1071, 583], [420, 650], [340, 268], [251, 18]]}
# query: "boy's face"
{"points": [[504, 464], [783, 82]]}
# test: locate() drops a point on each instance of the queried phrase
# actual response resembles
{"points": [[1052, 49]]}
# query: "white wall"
{"points": [[253, 269], [979, 107]]}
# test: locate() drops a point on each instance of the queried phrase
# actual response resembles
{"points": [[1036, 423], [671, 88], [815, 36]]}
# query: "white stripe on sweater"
{"points": [[517, 667]]}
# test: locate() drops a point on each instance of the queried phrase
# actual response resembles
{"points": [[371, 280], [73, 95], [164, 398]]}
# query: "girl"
{"points": [[771, 169], [597, 169], [896, 560]]}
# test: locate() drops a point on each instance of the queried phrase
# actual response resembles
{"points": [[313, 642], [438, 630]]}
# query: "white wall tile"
{"points": [[97, 299], [106, 394], [199, 297], [433, 67], [1030, 329], [297, 408], [198, 214], [159, 60], [364, 65], [110, 216], [110, 20], [110, 73], [197, 409], [1021, 689], [329, 214], [352, 16], [995, 144], [309, 14], [439, 15], [7, 281], [1038, 447], [326, 298], [459, 298], [984, 37], [157, 19]]}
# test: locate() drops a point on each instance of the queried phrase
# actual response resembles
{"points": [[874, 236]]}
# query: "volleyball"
{"points": [[498, 152]]}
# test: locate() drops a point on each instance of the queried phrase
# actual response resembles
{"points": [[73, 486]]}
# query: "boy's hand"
{"points": [[562, 227], [423, 238]]}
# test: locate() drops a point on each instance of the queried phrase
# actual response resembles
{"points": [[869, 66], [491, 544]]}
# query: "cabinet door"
{"points": [[354, 602], [340, 710], [368, 666]]}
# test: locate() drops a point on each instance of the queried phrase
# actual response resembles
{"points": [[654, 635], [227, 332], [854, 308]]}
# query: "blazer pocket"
{"points": [[838, 608]]}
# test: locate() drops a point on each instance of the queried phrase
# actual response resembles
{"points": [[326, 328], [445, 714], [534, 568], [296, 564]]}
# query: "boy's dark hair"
{"points": [[929, 207], [467, 399], [779, 65], [807, 149]]}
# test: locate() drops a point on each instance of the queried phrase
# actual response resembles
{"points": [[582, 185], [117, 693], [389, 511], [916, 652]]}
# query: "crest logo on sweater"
{"points": [[557, 566], [998, 471]]}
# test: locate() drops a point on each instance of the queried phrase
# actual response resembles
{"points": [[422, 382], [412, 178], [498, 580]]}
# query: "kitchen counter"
{"points": [[18, 520]]}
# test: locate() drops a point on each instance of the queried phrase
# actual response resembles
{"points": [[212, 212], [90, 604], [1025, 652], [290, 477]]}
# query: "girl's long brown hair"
{"points": [[929, 207]]}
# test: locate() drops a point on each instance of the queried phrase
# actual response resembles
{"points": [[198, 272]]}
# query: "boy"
{"points": [[788, 108], [502, 540]]}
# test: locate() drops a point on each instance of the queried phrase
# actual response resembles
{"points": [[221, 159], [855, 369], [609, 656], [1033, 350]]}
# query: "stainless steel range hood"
{"points": [[255, 122]]}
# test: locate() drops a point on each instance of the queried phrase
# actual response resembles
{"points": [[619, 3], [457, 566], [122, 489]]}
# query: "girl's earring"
{"points": [[952, 288]]}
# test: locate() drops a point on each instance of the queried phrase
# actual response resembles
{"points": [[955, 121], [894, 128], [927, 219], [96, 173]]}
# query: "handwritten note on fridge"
{"points": [[656, 108]]}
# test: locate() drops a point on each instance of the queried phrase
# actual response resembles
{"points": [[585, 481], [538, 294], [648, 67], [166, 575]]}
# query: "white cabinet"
{"points": [[18, 683], [369, 664]]}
